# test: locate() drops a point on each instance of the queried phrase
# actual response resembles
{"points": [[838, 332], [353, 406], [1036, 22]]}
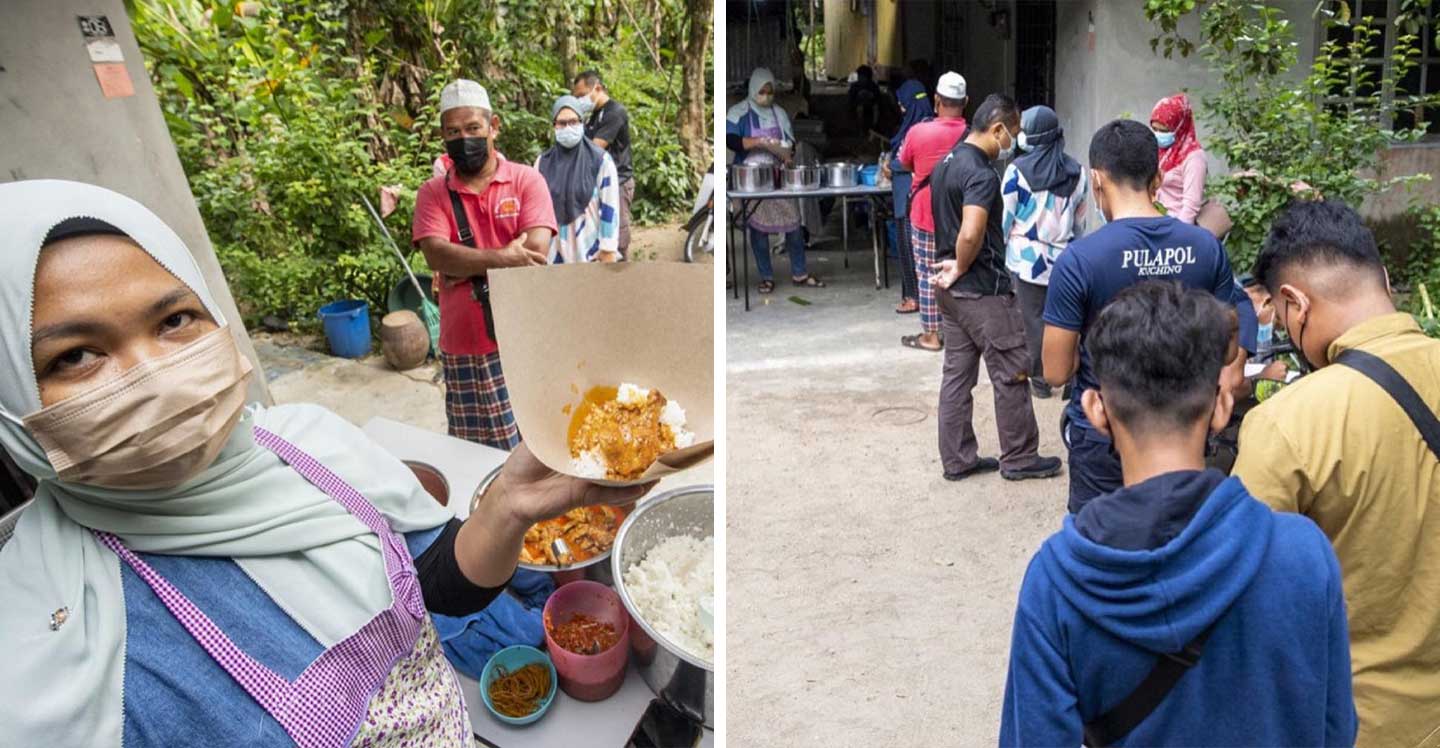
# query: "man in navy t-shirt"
{"points": [[1137, 244]]}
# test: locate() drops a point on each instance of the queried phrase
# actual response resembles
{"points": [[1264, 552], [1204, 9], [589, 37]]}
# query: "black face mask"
{"points": [[1305, 366], [469, 154]]}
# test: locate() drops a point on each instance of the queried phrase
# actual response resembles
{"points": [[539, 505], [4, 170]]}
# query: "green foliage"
{"points": [[1287, 132], [286, 112]]}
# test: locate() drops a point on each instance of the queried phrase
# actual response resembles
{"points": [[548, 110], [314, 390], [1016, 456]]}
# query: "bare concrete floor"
{"points": [[869, 601]]}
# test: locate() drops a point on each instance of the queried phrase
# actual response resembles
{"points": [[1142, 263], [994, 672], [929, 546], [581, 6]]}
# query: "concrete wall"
{"points": [[54, 123], [1121, 77]]}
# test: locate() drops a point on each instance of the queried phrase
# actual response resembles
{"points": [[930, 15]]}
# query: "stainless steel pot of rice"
{"points": [[683, 679], [595, 569]]}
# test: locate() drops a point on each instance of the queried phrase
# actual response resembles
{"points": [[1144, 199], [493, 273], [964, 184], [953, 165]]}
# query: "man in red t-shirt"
{"points": [[510, 220], [924, 146]]}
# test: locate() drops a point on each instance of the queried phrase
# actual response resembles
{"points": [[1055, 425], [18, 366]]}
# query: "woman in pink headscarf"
{"points": [[1182, 160]]}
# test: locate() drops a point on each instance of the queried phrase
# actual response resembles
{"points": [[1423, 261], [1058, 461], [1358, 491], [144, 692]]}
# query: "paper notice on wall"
{"points": [[104, 50], [114, 80]]}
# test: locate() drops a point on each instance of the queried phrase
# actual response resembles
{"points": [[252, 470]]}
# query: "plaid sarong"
{"points": [[477, 405], [923, 244]]}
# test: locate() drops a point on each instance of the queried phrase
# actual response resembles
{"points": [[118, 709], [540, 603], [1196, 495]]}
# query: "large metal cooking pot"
{"points": [[682, 679], [840, 174], [800, 178], [595, 569], [752, 177]]}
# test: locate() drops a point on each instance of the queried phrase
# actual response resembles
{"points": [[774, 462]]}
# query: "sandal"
{"points": [[913, 341], [767, 286], [907, 306], [809, 281]]}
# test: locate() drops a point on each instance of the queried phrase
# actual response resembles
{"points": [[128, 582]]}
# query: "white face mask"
{"points": [[570, 136], [1023, 145], [1008, 151]]}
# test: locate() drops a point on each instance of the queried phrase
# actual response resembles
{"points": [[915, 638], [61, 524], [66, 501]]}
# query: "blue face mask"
{"points": [[1265, 334], [1166, 139]]}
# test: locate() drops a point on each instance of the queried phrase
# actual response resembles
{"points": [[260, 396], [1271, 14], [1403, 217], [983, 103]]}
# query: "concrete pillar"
{"points": [[55, 123]]}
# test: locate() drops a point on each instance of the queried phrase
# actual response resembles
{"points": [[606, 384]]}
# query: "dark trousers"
{"points": [[1032, 309], [909, 287], [1094, 465], [988, 327]]}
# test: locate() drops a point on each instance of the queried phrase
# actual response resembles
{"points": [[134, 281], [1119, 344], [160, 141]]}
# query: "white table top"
{"points": [[570, 722]]}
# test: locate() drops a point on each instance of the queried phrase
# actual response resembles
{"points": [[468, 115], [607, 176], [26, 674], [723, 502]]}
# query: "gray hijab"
{"points": [[570, 173], [1046, 167], [320, 564]]}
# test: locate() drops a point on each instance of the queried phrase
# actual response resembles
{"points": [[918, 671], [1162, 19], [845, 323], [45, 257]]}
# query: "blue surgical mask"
{"points": [[1265, 334], [570, 136], [1166, 139]]}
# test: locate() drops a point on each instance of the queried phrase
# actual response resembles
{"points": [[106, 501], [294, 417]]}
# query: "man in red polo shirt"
{"points": [[924, 146], [508, 222]]}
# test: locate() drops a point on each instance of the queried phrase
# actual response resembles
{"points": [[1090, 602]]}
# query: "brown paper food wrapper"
{"points": [[565, 329]]}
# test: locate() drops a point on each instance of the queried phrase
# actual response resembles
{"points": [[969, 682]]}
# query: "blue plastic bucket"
{"points": [[347, 327]]}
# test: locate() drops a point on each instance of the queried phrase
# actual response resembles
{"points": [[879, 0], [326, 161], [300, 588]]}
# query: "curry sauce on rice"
{"points": [[619, 432]]}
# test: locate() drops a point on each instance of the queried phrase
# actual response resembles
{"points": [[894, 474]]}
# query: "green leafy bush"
{"points": [[1282, 130], [286, 113]]}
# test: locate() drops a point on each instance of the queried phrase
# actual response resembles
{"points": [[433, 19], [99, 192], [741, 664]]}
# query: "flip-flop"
{"points": [[913, 341], [809, 281], [767, 286], [900, 308]]}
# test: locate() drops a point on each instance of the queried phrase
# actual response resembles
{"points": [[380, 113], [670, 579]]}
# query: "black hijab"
{"points": [[570, 173]]}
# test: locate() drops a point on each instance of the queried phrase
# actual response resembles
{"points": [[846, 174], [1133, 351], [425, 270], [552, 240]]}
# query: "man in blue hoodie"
{"points": [[1137, 244], [1180, 565]]}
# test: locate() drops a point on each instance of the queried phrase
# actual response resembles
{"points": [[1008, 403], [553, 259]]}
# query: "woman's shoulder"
{"points": [[734, 113]]}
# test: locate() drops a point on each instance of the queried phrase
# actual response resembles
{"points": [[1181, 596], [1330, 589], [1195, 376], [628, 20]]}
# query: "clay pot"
{"points": [[404, 339]]}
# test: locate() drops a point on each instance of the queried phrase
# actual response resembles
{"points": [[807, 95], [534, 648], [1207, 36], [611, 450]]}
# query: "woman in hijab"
{"points": [[584, 188], [758, 132], [914, 108], [1182, 160], [1044, 192], [194, 571]]}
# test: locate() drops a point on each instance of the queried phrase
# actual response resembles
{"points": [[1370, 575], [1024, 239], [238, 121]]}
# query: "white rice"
{"points": [[590, 464], [629, 394], [667, 586], [673, 415]]}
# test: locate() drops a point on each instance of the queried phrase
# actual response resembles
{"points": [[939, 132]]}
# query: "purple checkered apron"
{"points": [[326, 704]]}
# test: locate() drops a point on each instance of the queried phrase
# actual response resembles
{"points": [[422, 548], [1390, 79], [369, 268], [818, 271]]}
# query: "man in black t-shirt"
{"points": [[979, 316], [609, 127]]}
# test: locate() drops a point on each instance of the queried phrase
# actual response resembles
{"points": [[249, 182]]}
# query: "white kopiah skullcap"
{"points": [[951, 86], [462, 93]]}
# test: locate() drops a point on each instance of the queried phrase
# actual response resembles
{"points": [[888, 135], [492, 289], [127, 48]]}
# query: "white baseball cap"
{"points": [[463, 93], [951, 86]]}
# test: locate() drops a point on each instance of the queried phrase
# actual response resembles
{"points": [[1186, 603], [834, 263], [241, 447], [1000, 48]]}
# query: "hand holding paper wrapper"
{"points": [[647, 323]]}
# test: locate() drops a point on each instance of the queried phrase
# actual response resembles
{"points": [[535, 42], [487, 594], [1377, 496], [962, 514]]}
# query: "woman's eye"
{"points": [[77, 358], [177, 321]]}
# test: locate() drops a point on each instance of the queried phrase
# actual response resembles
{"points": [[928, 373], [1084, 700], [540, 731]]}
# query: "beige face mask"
{"points": [[157, 426]]}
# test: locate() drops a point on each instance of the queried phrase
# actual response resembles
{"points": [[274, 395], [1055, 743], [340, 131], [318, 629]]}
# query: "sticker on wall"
{"points": [[114, 80], [104, 50]]}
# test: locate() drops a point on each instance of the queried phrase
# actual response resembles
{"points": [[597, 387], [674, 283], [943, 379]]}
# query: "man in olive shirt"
{"points": [[608, 126], [979, 316], [1336, 447]]}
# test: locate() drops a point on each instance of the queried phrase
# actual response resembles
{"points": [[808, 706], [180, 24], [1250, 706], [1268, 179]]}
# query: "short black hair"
{"points": [[1317, 232], [1127, 152], [590, 77], [949, 103], [1157, 349], [995, 108], [865, 71]]}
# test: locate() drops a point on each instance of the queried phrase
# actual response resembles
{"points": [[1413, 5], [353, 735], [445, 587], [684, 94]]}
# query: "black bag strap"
{"points": [[479, 284], [1408, 399], [1110, 727]]}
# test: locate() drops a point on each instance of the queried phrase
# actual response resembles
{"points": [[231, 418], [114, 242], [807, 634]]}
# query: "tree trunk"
{"points": [[568, 46], [694, 127]]}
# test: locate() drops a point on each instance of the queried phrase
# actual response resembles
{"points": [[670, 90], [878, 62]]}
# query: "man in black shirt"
{"points": [[978, 312], [609, 128]]}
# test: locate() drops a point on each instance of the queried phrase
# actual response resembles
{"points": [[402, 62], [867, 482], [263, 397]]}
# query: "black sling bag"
{"points": [[1115, 724], [479, 284], [1400, 390]]}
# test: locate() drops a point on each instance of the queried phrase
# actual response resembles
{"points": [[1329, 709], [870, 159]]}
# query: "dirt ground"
{"points": [[869, 601]]}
